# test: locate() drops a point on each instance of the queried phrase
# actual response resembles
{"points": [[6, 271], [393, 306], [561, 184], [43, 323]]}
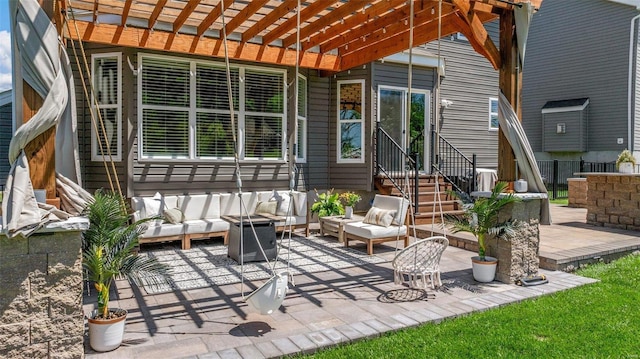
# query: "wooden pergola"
{"points": [[335, 35]]}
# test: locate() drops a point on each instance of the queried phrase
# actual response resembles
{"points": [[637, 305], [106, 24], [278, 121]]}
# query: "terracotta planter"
{"points": [[106, 335], [484, 271]]}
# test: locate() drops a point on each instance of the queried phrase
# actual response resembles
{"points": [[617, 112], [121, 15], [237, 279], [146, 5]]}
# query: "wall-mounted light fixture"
{"points": [[446, 103]]}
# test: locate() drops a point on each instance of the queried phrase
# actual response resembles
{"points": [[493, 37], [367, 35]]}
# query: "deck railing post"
{"points": [[555, 179]]}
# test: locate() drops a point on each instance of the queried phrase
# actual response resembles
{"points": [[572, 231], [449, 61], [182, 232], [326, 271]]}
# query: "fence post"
{"points": [[581, 164], [555, 179]]}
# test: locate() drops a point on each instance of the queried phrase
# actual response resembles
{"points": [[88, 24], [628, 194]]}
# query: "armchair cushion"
{"points": [[365, 230]]}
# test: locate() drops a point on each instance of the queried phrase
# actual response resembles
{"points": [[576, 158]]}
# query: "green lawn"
{"points": [[600, 320]]}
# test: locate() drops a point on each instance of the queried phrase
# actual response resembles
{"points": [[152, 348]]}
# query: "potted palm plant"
{"points": [[350, 199], [109, 252], [480, 218], [327, 204], [626, 162]]}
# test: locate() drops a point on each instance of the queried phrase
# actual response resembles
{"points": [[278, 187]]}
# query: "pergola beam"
{"points": [[290, 24], [340, 12], [191, 44], [472, 27]]}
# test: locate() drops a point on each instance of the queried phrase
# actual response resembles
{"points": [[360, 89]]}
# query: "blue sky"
{"points": [[5, 47]]}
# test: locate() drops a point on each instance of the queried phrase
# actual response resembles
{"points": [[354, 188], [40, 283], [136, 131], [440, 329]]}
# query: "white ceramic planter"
{"points": [[348, 212], [484, 271], [625, 167], [106, 335]]}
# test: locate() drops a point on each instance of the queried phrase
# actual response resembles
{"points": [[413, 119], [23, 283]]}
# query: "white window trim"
{"points": [[304, 120], [491, 99], [361, 121], [116, 153], [240, 114]]}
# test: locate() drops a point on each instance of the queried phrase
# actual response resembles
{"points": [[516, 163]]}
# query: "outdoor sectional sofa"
{"points": [[196, 216]]}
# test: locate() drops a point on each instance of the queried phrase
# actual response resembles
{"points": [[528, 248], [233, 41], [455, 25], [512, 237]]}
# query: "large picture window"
{"points": [[106, 130], [350, 121], [184, 111]]}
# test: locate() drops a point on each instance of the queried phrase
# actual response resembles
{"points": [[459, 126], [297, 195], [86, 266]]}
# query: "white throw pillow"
{"points": [[379, 217], [153, 208]]}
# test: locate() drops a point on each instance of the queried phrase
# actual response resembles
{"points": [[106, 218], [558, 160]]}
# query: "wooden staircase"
{"points": [[429, 207]]}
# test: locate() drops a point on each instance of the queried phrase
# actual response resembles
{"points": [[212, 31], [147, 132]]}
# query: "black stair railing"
{"points": [[453, 165], [396, 165]]}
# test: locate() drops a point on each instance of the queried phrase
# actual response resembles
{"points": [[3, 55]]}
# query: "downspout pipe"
{"points": [[630, 82]]}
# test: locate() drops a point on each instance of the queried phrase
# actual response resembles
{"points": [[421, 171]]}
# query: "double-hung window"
{"points": [[106, 128], [185, 114], [350, 121]]}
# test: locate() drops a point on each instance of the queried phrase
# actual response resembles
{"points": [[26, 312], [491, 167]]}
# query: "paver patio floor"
{"points": [[323, 308]]}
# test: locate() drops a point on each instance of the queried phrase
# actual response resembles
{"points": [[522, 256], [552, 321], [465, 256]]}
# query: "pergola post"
{"points": [[41, 151], [510, 83]]}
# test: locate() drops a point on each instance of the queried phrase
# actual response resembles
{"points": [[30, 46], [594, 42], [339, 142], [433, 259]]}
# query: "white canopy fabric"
{"points": [[527, 165], [522, 15], [45, 67]]}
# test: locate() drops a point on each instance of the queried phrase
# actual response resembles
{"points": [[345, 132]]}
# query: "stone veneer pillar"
{"points": [[41, 293], [518, 257]]}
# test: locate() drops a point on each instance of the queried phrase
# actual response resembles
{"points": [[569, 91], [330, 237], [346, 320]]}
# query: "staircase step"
{"points": [[427, 218]]}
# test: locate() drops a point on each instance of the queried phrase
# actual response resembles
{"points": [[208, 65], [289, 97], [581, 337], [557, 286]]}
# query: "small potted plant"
{"points": [[327, 204], [480, 218], [350, 199], [109, 252], [626, 162]]}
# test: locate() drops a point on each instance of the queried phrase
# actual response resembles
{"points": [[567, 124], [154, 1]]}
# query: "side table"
{"points": [[334, 225]]}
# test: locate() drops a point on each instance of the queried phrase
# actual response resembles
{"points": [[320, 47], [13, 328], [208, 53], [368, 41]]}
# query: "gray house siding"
{"points": [[6, 132], [573, 53], [353, 176], [94, 174], [469, 82], [315, 172]]}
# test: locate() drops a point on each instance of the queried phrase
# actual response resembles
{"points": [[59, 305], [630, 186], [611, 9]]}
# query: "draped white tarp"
{"points": [[526, 161], [45, 67], [522, 15]]}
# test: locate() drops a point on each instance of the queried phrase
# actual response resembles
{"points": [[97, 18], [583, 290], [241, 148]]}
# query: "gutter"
{"points": [[630, 82]]}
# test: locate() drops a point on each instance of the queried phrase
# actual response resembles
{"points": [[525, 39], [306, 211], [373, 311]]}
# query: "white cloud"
{"points": [[5, 60]]}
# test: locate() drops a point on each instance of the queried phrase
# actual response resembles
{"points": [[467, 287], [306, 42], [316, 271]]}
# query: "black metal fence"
{"points": [[556, 172]]}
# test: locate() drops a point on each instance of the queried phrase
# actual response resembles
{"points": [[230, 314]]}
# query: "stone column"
{"points": [[518, 257], [41, 293]]}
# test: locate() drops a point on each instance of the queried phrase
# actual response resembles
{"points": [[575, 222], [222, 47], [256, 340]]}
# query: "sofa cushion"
{"points": [[291, 220], [153, 207], [205, 226], [282, 198], [379, 216], [300, 203], [230, 203], [163, 230], [374, 231], [200, 206], [397, 204]]}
